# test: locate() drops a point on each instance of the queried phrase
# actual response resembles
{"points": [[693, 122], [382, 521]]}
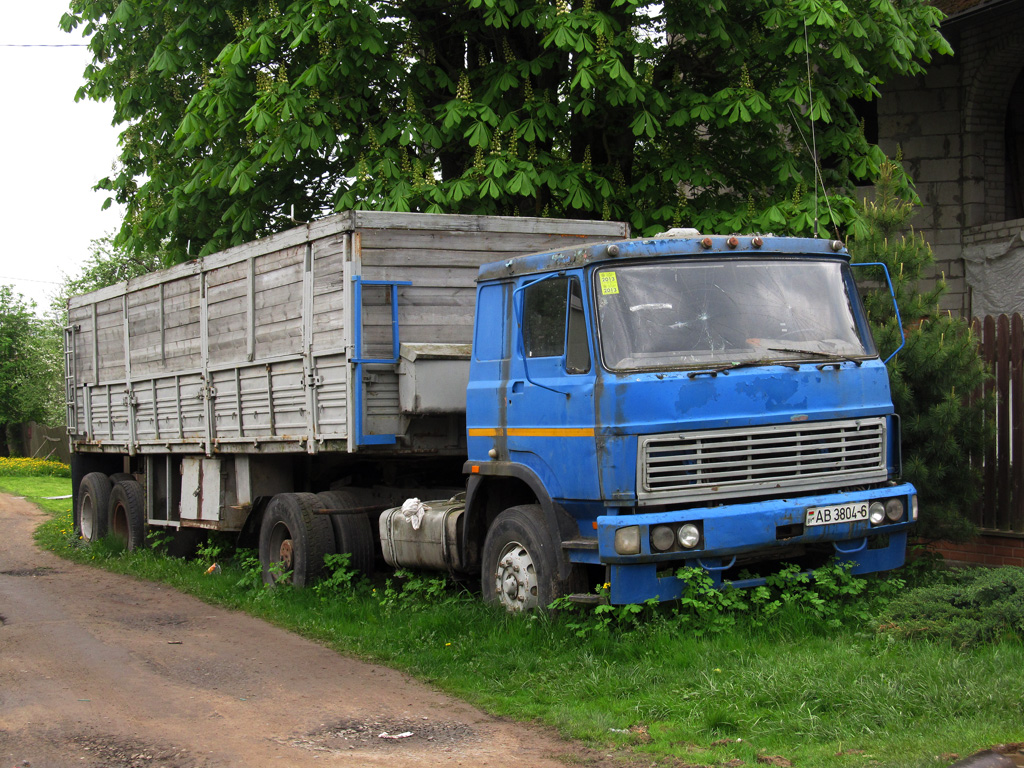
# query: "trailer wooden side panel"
{"points": [[286, 343]]}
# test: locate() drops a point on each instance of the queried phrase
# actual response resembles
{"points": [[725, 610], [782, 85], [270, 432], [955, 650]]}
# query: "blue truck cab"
{"points": [[639, 406]]}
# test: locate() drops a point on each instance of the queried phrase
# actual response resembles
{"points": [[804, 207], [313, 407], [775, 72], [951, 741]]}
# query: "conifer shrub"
{"points": [[934, 376], [967, 608]]}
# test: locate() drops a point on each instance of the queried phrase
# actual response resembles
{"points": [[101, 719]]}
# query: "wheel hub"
{"points": [[87, 518], [119, 523], [515, 578], [286, 554]]}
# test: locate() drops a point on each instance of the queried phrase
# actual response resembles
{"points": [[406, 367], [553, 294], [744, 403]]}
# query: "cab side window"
{"points": [[554, 323]]}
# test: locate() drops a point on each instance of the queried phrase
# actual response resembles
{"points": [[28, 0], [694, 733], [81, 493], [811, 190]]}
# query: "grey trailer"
{"points": [[326, 363]]}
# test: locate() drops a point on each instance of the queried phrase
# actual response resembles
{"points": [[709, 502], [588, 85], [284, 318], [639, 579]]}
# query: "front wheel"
{"points": [[294, 539], [520, 562]]}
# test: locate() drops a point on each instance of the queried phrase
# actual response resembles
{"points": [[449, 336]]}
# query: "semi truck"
{"points": [[544, 404]]}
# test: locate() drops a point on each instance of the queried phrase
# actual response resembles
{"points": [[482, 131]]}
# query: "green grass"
{"points": [[36, 489], [795, 686]]}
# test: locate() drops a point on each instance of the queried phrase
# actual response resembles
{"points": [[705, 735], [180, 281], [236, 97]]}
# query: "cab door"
{"points": [[550, 390]]}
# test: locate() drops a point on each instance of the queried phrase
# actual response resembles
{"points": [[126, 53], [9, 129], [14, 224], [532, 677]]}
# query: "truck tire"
{"points": [[93, 503], [519, 568], [294, 539], [127, 513], [353, 534]]}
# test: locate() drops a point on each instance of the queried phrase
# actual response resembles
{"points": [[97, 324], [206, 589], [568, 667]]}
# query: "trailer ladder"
{"points": [[70, 373], [358, 361]]}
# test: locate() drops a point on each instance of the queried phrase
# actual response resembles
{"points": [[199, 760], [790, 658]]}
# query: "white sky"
{"points": [[52, 152]]}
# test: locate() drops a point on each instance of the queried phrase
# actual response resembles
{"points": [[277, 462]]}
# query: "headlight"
{"points": [[913, 508], [627, 540], [662, 537], [876, 513], [894, 509], [689, 536]]}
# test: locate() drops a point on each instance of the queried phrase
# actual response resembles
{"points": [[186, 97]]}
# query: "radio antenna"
{"points": [[819, 180], [814, 142]]}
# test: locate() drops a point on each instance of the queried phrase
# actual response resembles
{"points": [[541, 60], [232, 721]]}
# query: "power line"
{"points": [[44, 45], [28, 280]]}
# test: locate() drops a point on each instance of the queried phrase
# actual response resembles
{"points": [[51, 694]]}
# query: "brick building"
{"points": [[961, 130], [960, 127]]}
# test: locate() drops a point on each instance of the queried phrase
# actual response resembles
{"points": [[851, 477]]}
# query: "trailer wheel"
{"points": [[520, 564], [127, 513], [93, 501], [294, 539], [353, 534]]}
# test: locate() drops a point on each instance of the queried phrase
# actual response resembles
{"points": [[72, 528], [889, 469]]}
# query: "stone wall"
{"points": [[919, 117], [949, 124]]}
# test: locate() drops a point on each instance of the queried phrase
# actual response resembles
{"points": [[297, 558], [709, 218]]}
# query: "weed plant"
{"points": [[832, 599], [796, 669]]}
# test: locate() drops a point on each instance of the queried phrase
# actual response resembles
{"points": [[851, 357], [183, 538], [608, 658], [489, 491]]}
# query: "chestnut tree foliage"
{"points": [[666, 112]]}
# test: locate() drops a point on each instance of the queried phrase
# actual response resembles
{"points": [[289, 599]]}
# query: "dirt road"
{"points": [[100, 670]]}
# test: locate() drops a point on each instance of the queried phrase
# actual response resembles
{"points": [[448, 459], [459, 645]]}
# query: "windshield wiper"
{"points": [[833, 358], [726, 367]]}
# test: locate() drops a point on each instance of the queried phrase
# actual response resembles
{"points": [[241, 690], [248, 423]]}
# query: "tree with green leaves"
{"points": [[242, 116], [933, 377], [107, 264], [25, 388]]}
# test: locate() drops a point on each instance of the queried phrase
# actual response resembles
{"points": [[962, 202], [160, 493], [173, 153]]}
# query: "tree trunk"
{"points": [[13, 444]]}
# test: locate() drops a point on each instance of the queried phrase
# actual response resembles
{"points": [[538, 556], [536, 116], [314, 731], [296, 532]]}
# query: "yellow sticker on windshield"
{"points": [[609, 284]]}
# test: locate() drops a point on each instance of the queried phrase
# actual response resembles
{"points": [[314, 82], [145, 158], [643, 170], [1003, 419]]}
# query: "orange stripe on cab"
{"points": [[534, 432]]}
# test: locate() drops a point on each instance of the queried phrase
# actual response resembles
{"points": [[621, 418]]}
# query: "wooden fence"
{"points": [[1002, 344], [43, 442]]}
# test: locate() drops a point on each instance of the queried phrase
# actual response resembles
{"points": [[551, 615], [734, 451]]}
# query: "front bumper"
{"points": [[730, 531]]}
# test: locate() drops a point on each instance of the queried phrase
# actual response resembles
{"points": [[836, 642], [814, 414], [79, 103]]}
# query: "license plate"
{"points": [[837, 513]]}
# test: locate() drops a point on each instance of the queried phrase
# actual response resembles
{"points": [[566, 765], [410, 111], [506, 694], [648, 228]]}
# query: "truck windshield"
{"points": [[742, 311]]}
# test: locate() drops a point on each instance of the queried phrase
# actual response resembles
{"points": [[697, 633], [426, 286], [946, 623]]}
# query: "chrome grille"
{"points": [[757, 461]]}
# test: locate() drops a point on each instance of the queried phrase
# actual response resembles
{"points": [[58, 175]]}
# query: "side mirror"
{"points": [[895, 306]]}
